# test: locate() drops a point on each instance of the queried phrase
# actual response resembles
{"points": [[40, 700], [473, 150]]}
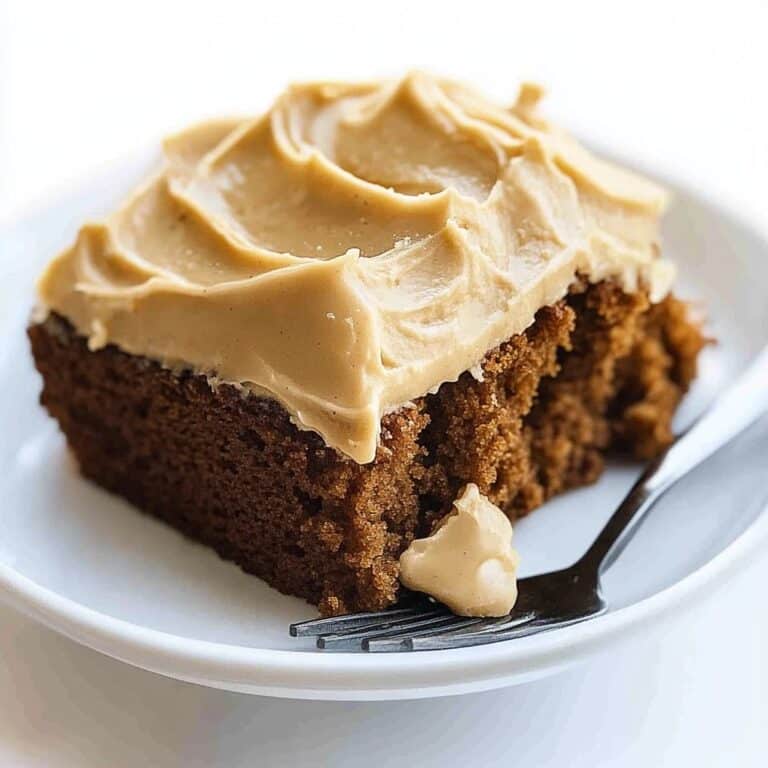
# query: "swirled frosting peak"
{"points": [[355, 246]]}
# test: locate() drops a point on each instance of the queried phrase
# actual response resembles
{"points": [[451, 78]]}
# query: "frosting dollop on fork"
{"points": [[468, 562]]}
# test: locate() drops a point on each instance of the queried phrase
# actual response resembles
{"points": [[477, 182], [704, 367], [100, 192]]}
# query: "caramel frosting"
{"points": [[468, 563], [356, 246]]}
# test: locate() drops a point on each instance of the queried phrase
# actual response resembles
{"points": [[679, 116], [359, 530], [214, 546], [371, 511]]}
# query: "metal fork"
{"points": [[552, 600]]}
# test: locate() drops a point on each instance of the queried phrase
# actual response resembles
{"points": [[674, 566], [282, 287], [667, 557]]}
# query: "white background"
{"points": [[678, 85]]}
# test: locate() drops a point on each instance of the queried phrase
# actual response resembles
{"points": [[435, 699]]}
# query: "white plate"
{"points": [[89, 566]]}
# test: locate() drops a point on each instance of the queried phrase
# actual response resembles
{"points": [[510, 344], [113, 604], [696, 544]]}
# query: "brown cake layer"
{"points": [[598, 370]]}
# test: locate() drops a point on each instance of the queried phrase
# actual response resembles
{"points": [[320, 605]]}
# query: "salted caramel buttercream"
{"points": [[356, 246]]}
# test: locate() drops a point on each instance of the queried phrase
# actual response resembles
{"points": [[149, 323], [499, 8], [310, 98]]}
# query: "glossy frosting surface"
{"points": [[355, 246]]}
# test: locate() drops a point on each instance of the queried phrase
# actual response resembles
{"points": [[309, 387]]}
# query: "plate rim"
{"points": [[360, 676], [306, 674]]}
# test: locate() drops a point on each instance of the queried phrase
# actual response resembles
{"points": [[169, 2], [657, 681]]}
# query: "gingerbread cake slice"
{"points": [[308, 331]]}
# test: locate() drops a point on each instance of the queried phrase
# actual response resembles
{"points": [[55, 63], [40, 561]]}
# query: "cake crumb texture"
{"points": [[601, 370]]}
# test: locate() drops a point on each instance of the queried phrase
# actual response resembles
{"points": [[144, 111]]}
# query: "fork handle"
{"points": [[731, 413]]}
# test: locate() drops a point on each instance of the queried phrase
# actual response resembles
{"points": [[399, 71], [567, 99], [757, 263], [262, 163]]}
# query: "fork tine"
{"points": [[515, 619], [407, 626], [466, 639], [337, 624], [484, 637], [459, 629], [392, 643]]}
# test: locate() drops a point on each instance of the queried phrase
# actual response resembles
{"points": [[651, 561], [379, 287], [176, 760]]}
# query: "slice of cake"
{"points": [[308, 331]]}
